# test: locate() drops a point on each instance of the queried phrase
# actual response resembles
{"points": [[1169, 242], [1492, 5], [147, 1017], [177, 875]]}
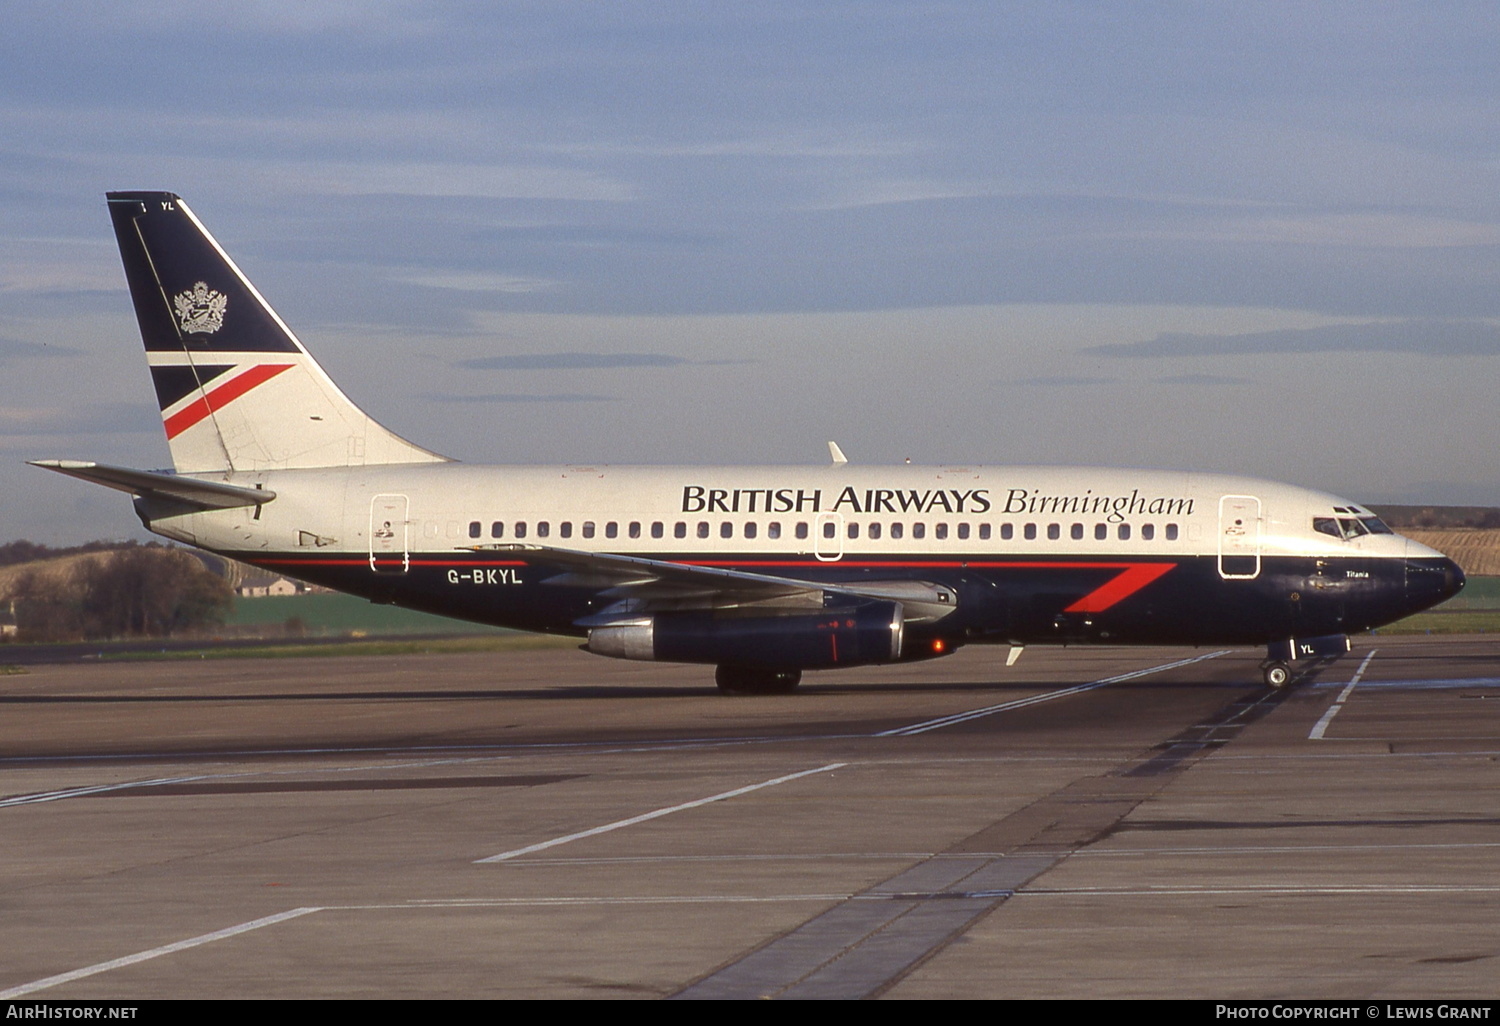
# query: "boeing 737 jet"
{"points": [[763, 572]]}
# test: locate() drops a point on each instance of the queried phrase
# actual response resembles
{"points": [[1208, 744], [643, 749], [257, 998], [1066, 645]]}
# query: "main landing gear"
{"points": [[756, 680]]}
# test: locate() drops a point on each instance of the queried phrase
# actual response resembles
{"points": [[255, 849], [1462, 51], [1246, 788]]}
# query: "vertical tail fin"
{"points": [[237, 390]]}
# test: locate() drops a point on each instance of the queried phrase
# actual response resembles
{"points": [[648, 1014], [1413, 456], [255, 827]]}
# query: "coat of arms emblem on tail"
{"points": [[200, 310]]}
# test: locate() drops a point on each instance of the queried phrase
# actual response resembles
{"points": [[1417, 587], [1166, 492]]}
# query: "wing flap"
{"points": [[642, 586]]}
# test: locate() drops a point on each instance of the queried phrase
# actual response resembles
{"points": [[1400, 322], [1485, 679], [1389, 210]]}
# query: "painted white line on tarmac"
{"points": [[84, 792], [1020, 703], [505, 856], [1316, 734], [144, 956]]}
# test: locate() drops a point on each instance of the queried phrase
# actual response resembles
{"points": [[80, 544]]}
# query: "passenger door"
{"points": [[1239, 537], [389, 549]]}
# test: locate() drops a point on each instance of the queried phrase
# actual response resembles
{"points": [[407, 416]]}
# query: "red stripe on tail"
{"points": [[222, 396]]}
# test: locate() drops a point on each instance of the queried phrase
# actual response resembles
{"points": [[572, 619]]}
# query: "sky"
{"points": [[1257, 238]]}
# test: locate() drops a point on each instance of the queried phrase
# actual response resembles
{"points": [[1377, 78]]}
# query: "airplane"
{"points": [[761, 571]]}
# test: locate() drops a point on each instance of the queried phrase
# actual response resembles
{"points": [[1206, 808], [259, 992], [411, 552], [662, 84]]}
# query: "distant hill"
{"points": [[1439, 517]]}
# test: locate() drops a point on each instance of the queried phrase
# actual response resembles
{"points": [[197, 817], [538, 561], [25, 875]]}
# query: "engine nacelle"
{"points": [[870, 633]]}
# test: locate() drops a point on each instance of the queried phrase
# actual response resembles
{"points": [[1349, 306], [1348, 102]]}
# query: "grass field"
{"points": [[333, 615], [1475, 610]]}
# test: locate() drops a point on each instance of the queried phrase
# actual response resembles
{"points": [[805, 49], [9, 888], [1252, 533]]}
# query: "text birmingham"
{"points": [[1114, 508]]}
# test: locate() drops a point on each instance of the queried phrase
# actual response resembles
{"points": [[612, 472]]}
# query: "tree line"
{"points": [[119, 591]]}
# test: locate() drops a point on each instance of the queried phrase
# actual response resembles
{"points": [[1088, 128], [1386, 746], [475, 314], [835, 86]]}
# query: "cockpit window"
{"points": [[1347, 527]]}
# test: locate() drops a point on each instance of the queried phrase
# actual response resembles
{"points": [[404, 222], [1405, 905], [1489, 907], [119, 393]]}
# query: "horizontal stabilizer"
{"points": [[206, 494]]}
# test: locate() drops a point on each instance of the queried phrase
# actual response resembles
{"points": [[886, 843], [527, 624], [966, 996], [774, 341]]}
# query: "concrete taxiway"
{"points": [[1088, 823]]}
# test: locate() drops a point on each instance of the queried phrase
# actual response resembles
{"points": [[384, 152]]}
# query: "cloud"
{"points": [[1424, 337], [571, 361], [1201, 379], [490, 181], [560, 397], [13, 349], [588, 236], [1058, 381], [98, 419], [1384, 230], [460, 281]]}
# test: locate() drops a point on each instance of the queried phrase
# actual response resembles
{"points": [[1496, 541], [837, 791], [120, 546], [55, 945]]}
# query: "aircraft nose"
{"points": [[1453, 579], [1431, 581]]}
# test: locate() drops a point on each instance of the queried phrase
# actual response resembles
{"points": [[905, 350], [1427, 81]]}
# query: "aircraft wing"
{"points": [[143, 483], [642, 585]]}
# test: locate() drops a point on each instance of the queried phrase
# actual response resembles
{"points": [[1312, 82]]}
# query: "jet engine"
{"points": [[869, 633]]}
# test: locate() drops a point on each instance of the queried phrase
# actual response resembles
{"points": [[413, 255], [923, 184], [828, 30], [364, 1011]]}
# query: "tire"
{"points": [[1277, 675], [756, 680]]}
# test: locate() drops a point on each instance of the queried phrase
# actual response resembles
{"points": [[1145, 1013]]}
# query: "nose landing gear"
{"points": [[1276, 673], [1282, 656]]}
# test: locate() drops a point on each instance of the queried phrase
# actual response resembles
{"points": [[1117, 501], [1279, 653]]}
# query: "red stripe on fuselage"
{"points": [[1131, 579], [222, 396]]}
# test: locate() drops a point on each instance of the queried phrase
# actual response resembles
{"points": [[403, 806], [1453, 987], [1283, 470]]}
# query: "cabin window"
{"points": [[750, 529], [1007, 532], [1101, 532], [984, 532], [497, 529], [1171, 532], [940, 531], [1030, 532], [635, 529], [453, 529], [1123, 532], [1054, 532], [588, 528], [679, 530], [875, 530], [1148, 531], [703, 529], [802, 529], [919, 530], [854, 530], [565, 529], [963, 532], [897, 530], [829, 529], [474, 529], [657, 529], [543, 528], [611, 530], [520, 528], [726, 530], [1076, 532], [773, 529]]}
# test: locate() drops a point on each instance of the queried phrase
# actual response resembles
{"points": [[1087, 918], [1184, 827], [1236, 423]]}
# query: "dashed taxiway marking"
{"points": [[1316, 734], [1020, 703], [145, 956], [505, 856]]}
